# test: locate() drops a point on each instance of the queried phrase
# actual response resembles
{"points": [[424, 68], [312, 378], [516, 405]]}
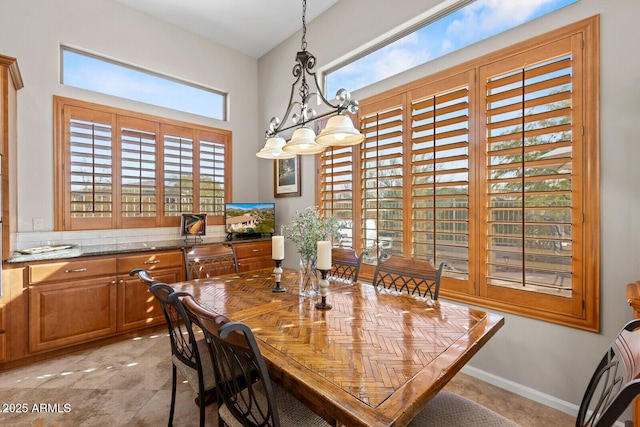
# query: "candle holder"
{"points": [[278, 273], [324, 284]]}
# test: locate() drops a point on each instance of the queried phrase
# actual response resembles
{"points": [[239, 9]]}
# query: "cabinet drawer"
{"points": [[150, 261], [253, 249], [70, 270]]}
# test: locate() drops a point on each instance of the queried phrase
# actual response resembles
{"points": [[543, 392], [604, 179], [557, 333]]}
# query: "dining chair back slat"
{"points": [[246, 395], [189, 355], [408, 275], [615, 382], [346, 263], [144, 276], [209, 261]]}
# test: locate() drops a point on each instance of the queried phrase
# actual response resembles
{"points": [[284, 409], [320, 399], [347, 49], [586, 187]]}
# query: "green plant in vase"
{"points": [[305, 229]]}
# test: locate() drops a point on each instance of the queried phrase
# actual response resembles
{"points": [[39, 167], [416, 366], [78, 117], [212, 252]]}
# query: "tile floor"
{"points": [[129, 384]]}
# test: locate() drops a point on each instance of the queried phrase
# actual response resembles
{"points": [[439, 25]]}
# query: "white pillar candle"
{"points": [[277, 247], [324, 255]]}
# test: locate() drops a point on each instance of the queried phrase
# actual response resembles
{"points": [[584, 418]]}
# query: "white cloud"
{"points": [[486, 17], [395, 61]]}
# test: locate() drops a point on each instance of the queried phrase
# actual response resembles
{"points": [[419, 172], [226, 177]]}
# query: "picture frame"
{"points": [[193, 225], [286, 177]]}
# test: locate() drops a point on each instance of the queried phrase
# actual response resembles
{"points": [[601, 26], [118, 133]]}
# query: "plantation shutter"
{"points": [[178, 171], [138, 152], [532, 211], [212, 185], [381, 159], [89, 166], [336, 182], [440, 174]]}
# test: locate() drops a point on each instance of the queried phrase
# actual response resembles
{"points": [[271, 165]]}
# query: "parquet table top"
{"points": [[375, 359]]}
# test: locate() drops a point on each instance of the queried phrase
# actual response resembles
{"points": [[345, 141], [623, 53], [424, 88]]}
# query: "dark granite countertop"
{"points": [[112, 249]]}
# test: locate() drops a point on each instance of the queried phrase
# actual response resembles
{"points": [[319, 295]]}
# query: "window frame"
{"points": [[118, 118], [582, 310]]}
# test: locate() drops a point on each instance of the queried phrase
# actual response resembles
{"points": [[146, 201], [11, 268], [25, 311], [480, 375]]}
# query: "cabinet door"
{"points": [[3, 332], [71, 312], [137, 307]]}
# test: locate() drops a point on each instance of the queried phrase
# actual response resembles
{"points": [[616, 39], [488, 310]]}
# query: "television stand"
{"points": [[243, 236]]}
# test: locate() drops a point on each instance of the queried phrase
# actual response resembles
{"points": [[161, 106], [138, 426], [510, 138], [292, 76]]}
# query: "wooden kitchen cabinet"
{"points": [[10, 83], [253, 255], [71, 312], [3, 332], [75, 301], [137, 307]]}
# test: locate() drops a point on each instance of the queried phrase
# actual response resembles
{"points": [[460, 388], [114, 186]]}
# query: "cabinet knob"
{"points": [[157, 261], [77, 270], [113, 282], [256, 250]]}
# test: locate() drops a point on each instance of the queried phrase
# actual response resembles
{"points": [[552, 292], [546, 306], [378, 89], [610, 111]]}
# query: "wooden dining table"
{"points": [[374, 359]]}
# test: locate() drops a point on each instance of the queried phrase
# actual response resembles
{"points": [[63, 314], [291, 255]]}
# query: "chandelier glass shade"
{"points": [[339, 130], [273, 149], [303, 141]]}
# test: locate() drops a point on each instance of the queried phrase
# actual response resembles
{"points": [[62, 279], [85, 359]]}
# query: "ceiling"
{"points": [[252, 27]]}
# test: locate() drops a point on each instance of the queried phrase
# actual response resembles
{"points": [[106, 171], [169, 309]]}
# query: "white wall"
{"points": [[32, 31], [551, 359]]}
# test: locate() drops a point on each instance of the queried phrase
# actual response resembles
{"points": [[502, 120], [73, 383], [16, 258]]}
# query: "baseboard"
{"points": [[525, 391]]}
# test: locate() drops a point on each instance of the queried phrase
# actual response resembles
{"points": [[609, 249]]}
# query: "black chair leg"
{"points": [[202, 408], [173, 395]]}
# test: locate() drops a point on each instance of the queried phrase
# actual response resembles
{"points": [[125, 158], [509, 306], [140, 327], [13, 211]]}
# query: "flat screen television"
{"points": [[249, 219]]}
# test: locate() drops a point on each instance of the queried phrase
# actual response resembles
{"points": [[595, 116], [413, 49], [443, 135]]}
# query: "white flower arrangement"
{"points": [[306, 228]]}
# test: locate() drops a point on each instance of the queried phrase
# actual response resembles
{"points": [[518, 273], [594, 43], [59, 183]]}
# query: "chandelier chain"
{"points": [[304, 25]]}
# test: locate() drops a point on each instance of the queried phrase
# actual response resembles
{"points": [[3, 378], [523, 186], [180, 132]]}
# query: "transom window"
{"points": [[447, 27], [490, 167], [120, 169], [98, 74]]}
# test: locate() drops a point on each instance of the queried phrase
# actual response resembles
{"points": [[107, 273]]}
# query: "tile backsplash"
{"points": [[107, 237]]}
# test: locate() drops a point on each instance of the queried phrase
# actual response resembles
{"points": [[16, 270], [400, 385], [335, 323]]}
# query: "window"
{"points": [[120, 169], [91, 72], [448, 27], [490, 167]]}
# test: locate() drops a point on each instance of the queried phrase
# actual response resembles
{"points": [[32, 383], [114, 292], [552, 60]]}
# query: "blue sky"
{"points": [[103, 76], [474, 22]]}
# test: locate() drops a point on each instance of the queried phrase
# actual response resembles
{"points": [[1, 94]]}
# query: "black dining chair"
{"points": [[408, 275], [614, 385], [144, 276], [345, 263], [209, 261], [246, 395], [188, 355]]}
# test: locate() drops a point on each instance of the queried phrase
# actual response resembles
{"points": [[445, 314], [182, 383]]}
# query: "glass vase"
{"points": [[308, 276]]}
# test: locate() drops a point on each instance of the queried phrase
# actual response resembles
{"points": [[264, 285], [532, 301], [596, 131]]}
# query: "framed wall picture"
{"points": [[194, 225], [286, 179]]}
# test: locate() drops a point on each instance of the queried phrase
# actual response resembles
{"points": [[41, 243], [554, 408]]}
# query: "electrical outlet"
{"points": [[38, 224]]}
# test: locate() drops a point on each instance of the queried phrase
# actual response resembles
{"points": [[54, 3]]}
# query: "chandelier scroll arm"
{"points": [[339, 130]]}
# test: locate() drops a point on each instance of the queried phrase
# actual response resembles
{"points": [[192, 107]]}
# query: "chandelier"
{"points": [[339, 130]]}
